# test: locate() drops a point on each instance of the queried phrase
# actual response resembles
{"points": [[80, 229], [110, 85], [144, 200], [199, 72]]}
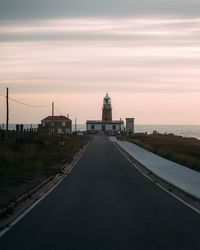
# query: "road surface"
{"points": [[105, 203]]}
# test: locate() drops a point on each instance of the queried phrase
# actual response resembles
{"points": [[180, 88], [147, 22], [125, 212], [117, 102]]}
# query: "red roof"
{"points": [[56, 118]]}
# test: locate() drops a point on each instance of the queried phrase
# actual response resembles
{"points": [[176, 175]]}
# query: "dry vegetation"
{"points": [[185, 151], [36, 158]]}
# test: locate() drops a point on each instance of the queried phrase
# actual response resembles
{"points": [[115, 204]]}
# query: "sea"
{"points": [[183, 130]]}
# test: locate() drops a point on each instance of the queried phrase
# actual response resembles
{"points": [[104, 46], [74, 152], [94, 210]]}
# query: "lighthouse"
{"points": [[106, 125], [107, 109]]}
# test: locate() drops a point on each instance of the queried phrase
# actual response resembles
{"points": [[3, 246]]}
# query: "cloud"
{"points": [[117, 87], [138, 30], [43, 9], [89, 55]]}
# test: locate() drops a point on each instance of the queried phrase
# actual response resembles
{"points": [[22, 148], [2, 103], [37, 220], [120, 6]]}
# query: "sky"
{"points": [[145, 54]]}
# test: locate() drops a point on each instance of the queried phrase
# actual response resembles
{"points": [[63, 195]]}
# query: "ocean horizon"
{"points": [[182, 130]]}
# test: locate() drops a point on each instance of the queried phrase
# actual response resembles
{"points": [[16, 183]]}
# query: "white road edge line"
{"points": [[193, 208], [5, 230]]}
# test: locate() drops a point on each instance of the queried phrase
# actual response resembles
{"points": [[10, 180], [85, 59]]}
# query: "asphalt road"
{"points": [[105, 203]]}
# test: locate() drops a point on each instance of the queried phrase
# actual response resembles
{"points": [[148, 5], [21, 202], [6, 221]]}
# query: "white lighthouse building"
{"points": [[106, 125]]}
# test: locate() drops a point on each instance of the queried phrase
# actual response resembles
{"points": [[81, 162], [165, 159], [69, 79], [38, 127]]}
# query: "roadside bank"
{"points": [[30, 164]]}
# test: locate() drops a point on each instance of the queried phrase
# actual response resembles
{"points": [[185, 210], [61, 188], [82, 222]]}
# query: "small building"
{"points": [[129, 126], [57, 125], [106, 125]]}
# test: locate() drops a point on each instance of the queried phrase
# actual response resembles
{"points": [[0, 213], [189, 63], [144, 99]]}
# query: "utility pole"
{"points": [[75, 124], [7, 114], [52, 129]]}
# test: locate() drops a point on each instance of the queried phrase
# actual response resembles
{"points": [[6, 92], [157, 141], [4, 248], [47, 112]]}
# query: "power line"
{"points": [[61, 113], [26, 104]]}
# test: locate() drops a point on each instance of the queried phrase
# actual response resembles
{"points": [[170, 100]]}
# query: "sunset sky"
{"points": [[145, 53]]}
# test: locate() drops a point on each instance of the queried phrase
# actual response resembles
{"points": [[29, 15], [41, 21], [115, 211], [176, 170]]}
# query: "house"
{"points": [[57, 125]]}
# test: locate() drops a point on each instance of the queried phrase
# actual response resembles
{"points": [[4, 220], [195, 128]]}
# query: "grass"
{"points": [[31, 158], [185, 151]]}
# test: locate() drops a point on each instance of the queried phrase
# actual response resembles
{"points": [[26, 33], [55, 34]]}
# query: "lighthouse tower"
{"points": [[107, 109], [106, 125]]}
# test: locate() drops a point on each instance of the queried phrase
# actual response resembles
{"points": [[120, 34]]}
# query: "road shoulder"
{"points": [[179, 193]]}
